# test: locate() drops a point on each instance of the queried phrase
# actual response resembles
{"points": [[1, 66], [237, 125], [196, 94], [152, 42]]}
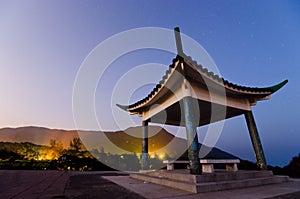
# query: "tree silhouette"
{"points": [[56, 148], [76, 144], [52, 143], [56, 145], [293, 168]]}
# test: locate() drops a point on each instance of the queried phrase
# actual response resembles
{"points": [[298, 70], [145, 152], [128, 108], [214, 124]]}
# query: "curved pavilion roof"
{"points": [[230, 88], [217, 98]]}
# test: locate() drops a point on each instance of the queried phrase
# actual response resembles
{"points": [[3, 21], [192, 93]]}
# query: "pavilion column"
{"points": [[145, 155], [258, 150], [191, 118]]}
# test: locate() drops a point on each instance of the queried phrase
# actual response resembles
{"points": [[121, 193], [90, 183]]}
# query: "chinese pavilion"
{"points": [[191, 96]]}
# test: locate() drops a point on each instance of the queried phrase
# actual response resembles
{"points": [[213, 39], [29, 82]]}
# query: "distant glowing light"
{"points": [[161, 156], [152, 155]]}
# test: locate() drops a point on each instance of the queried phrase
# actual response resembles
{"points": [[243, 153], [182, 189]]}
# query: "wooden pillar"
{"points": [[258, 150], [145, 155], [191, 119]]}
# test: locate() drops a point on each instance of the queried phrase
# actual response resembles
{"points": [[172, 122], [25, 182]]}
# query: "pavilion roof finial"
{"points": [[178, 41]]}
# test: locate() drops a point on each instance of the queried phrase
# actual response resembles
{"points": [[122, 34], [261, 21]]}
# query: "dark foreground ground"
{"points": [[95, 186], [89, 185], [60, 184]]}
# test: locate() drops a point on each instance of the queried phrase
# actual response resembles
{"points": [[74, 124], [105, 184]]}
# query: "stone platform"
{"points": [[220, 180]]}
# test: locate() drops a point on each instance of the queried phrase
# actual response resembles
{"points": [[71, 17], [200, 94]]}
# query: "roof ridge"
{"points": [[209, 74]]}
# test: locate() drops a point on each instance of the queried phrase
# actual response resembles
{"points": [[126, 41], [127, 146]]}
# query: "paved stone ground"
{"points": [[289, 190], [288, 196], [89, 185], [61, 184], [82, 186], [33, 184]]}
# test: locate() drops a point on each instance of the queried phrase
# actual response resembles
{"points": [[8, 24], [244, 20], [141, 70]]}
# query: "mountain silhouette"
{"points": [[127, 141]]}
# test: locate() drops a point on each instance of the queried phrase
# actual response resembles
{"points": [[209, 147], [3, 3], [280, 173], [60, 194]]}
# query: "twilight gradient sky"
{"points": [[253, 43]]}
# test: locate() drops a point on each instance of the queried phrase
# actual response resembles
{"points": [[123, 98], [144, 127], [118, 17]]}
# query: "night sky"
{"points": [[253, 43]]}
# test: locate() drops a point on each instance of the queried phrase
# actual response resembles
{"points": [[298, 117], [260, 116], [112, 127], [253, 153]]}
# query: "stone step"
{"points": [[209, 186], [230, 176], [183, 175], [237, 184], [186, 186], [178, 175]]}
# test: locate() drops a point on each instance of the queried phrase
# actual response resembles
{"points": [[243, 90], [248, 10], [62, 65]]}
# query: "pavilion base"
{"points": [[220, 180]]}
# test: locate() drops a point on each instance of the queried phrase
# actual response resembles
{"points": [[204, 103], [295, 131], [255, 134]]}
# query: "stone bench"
{"points": [[170, 163], [207, 164]]}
